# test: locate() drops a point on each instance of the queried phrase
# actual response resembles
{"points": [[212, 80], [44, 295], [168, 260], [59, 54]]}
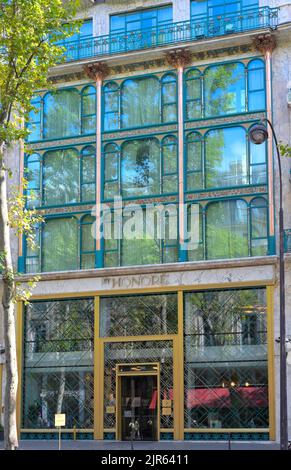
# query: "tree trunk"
{"points": [[10, 426]]}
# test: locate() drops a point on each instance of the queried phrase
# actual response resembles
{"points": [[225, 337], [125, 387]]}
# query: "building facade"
{"points": [[169, 335]]}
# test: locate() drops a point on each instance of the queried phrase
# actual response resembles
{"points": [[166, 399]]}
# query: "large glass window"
{"points": [[224, 157], [58, 364], [138, 315], [61, 114], [146, 237], [227, 229], [60, 244], [218, 8], [140, 102], [224, 89], [226, 372], [61, 177], [140, 20], [142, 167]]}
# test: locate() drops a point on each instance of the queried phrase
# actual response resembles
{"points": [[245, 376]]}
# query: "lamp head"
{"points": [[258, 134]]}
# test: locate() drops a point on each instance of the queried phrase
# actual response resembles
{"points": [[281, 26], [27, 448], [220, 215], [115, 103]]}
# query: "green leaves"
{"points": [[28, 30]]}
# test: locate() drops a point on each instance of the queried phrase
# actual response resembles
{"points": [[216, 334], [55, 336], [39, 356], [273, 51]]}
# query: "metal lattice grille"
{"points": [[141, 352], [58, 363], [226, 378], [138, 315]]}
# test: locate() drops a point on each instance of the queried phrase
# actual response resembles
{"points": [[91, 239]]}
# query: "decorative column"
{"points": [[97, 72], [179, 58], [265, 44]]}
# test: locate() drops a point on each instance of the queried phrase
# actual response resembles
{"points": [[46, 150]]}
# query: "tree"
{"points": [[29, 32]]}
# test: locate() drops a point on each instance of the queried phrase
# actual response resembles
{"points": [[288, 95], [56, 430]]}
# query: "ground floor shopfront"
{"points": [[150, 357]]}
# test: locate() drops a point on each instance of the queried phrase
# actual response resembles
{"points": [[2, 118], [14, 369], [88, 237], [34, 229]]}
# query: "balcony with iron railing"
{"points": [[198, 28]]}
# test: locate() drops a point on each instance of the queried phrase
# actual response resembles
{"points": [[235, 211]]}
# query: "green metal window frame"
{"points": [[201, 138], [201, 72], [113, 86], [203, 207], [118, 154], [81, 184], [41, 97]]}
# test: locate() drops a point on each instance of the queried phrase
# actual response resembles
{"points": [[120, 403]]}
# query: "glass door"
{"points": [[139, 407]]}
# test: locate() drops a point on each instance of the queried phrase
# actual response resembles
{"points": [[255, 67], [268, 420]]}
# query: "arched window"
{"points": [[87, 245], [32, 174], [227, 229], [88, 174], [169, 164], [140, 167], [34, 121], [88, 110], [169, 98], [111, 171], [226, 157], [60, 246], [61, 113], [111, 106], [194, 94], [256, 85], [225, 90], [194, 162], [140, 102], [259, 226], [61, 177], [258, 163]]}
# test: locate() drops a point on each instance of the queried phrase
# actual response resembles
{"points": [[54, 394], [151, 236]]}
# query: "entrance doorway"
{"points": [[138, 402]]}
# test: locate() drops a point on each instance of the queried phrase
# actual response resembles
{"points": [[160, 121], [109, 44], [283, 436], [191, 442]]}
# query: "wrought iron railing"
{"points": [[197, 28]]}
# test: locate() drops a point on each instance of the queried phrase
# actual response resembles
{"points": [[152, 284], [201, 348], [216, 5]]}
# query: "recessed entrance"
{"points": [[138, 402]]}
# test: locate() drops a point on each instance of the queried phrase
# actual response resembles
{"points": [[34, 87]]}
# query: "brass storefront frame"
{"points": [[135, 373], [178, 354]]}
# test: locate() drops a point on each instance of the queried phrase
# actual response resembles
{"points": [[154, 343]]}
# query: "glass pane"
{"points": [[111, 163], [225, 89], [169, 113], [138, 315], [62, 114], [194, 181], [227, 230], [32, 173], [226, 370], [111, 121], [260, 247], [88, 167], [257, 100], [259, 220], [170, 254], [169, 90], [140, 252], [58, 364], [170, 184], [110, 259], [140, 101], [89, 125], [89, 101], [60, 245], [258, 174], [140, 167], [61, 177], [111, 190], [194, 154], [169, 156], [88, 261], [195, 233], [257, 153], [226, 157], [88, 241]]}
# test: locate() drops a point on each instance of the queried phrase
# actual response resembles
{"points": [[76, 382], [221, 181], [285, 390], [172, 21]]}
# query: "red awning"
{"points": [[222, 397]]}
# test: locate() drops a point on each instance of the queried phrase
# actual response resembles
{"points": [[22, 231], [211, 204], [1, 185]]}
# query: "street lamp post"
{"points": [[258, 134]]}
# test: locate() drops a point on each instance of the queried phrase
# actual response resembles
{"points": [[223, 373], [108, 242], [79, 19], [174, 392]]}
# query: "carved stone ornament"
{"points": [[264, 42], [179, 57], [97, 70]]}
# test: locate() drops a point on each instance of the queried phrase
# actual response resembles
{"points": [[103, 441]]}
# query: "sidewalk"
{"points": [[151, 446]]}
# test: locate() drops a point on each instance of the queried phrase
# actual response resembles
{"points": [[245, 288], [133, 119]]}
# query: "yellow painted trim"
{"points": [[98, 375], [271, 362], [196, 287], [19, 353], [127, 339], [226, 430], [178, 373]]}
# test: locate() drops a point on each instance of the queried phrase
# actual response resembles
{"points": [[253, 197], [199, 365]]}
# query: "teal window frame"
{"points": [[249, 205], [117, 111], [81, 183], [202, 138], [201, 100], [118, 153], [81, 117]]}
